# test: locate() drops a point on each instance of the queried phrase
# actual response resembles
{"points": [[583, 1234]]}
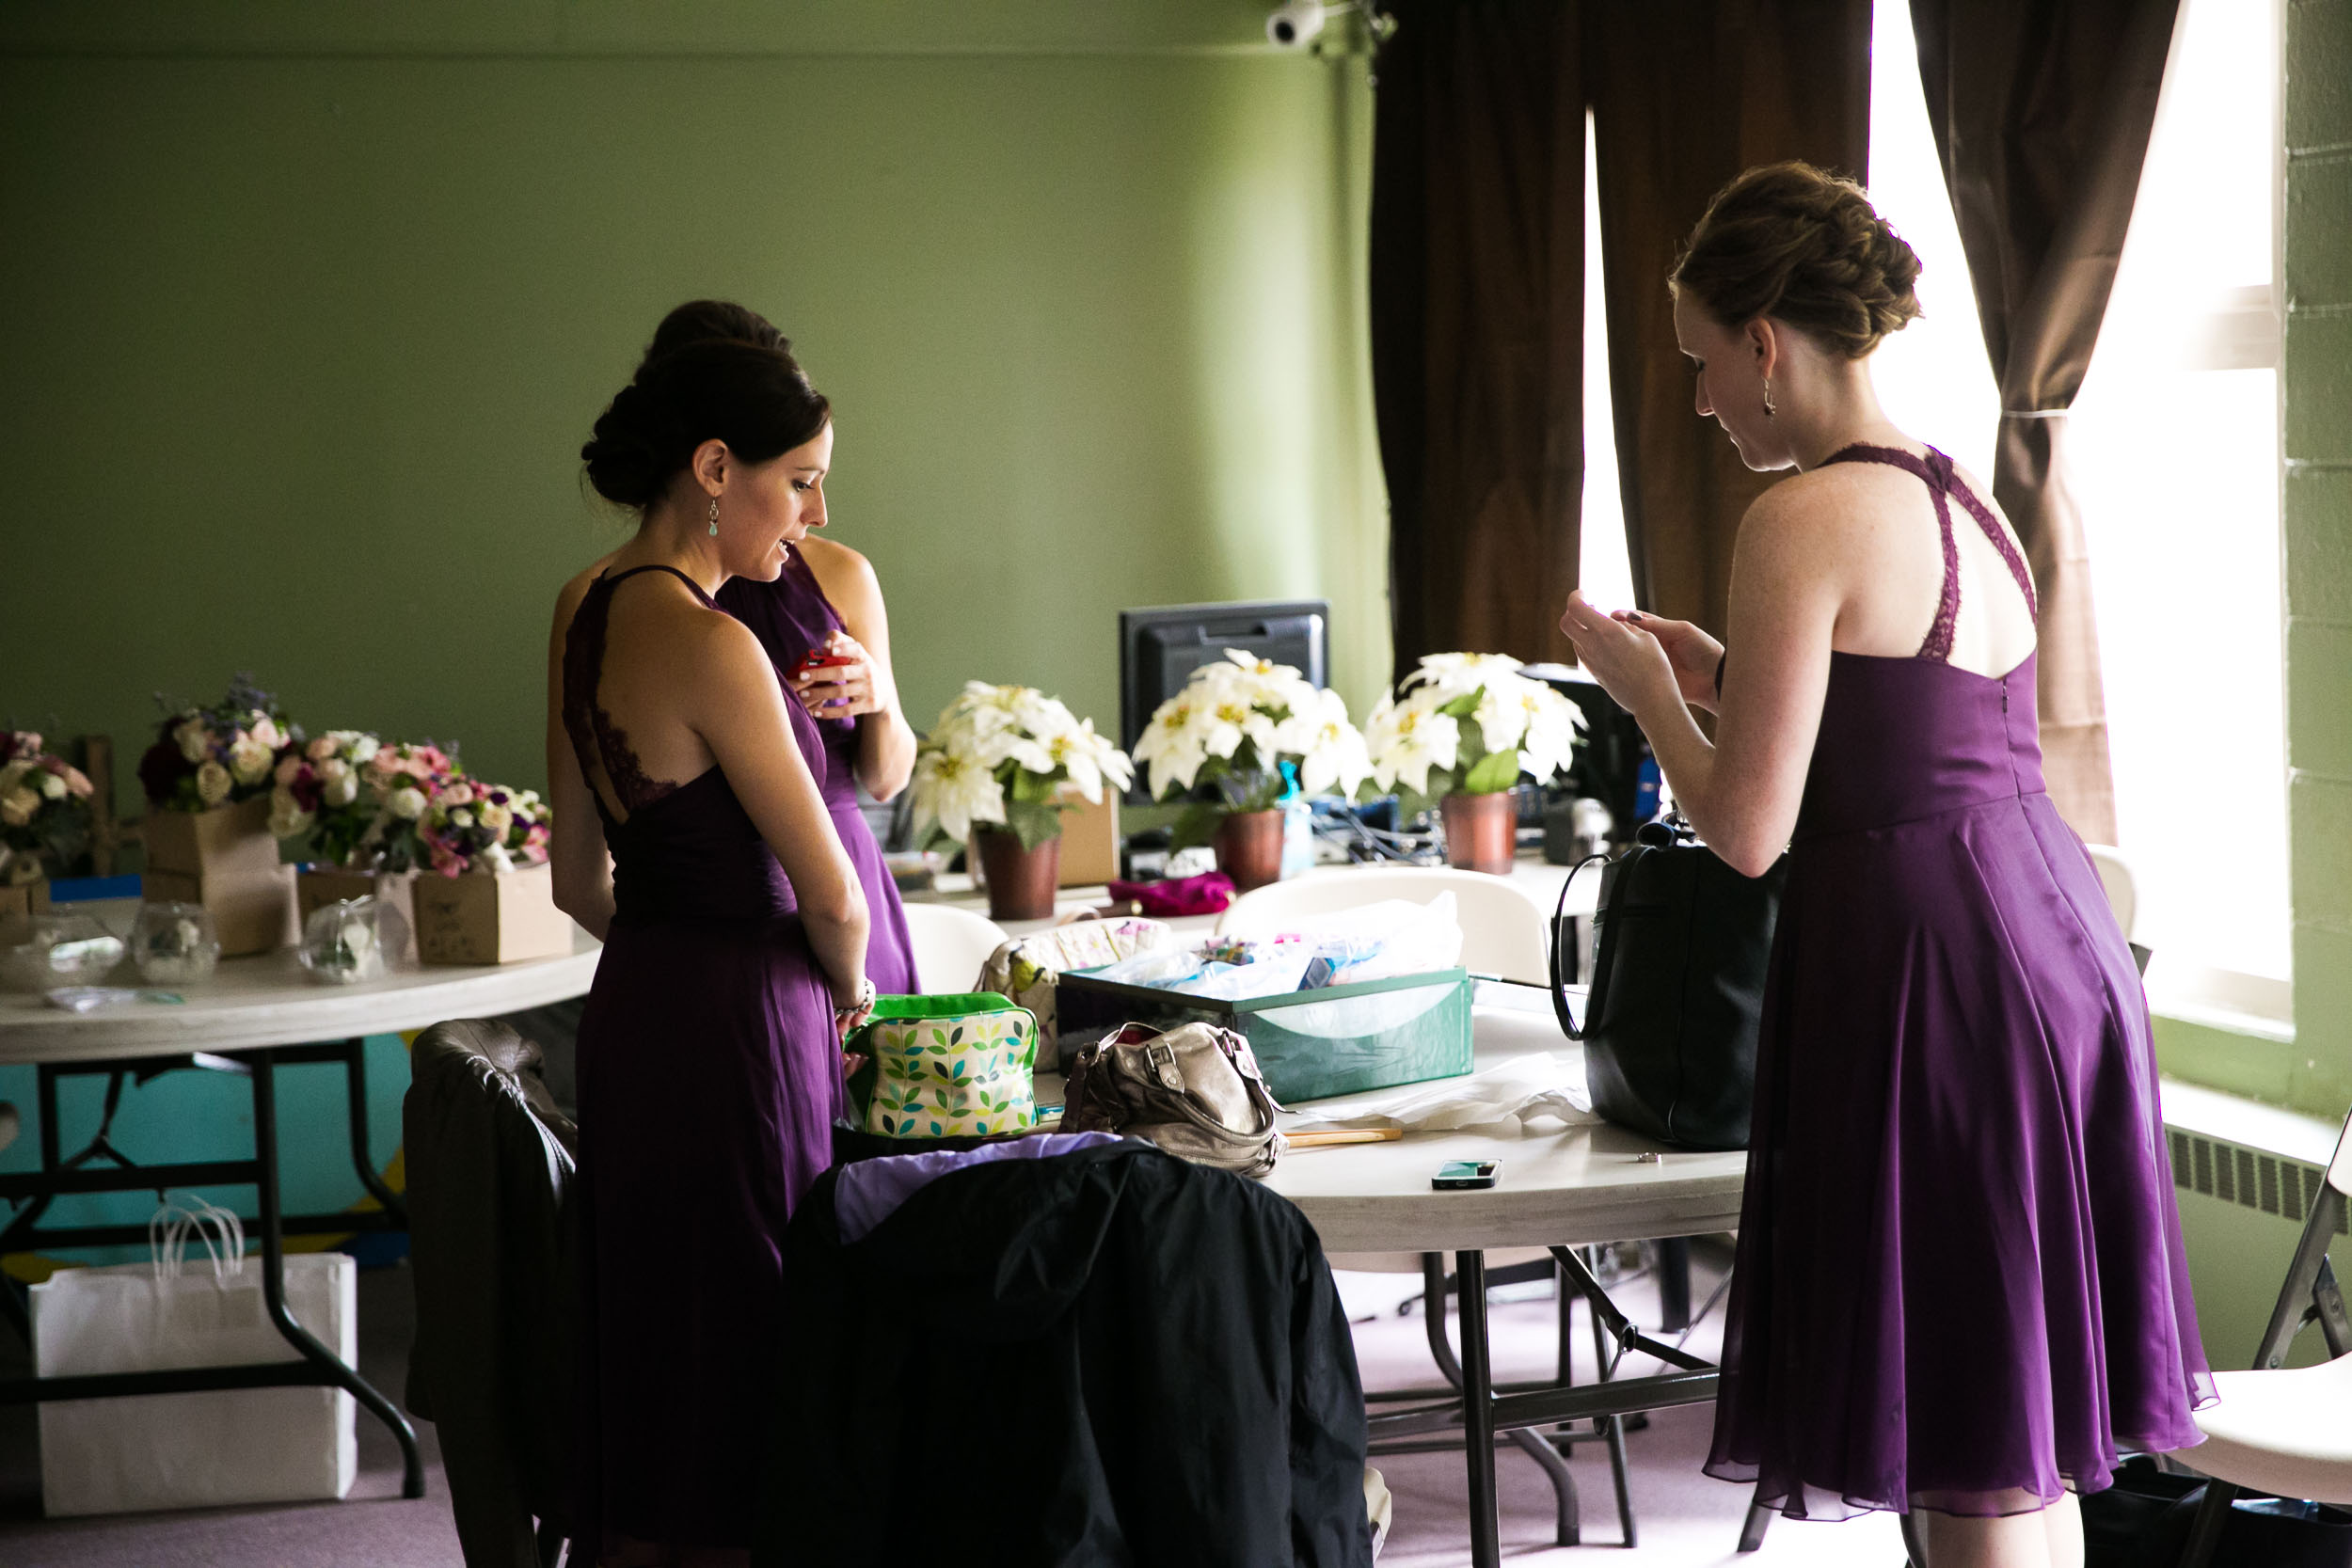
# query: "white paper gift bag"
{"points": [[193, 1451]]}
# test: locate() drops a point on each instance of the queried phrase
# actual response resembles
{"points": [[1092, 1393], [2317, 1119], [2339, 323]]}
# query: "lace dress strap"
{"points": [[602, 745]]}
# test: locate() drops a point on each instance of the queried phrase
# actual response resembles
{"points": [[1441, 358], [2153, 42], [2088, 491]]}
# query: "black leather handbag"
{"points": [[1680, 946]]}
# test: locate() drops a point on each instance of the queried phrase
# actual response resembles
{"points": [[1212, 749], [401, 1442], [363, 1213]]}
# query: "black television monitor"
{"points": [[1160, 648]]}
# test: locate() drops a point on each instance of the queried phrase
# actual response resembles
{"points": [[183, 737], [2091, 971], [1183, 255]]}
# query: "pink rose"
{"points": [[321, 748], [457, 792], [446, 860], [78, 782], [27, 742], [289, 769], [264, 729]]}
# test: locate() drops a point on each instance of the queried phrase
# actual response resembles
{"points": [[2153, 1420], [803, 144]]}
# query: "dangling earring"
{"points": [[714, 510], [1770, 413]]}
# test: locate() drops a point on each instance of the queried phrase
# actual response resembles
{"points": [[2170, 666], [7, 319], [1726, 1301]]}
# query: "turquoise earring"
{"points": [[714, 517]]}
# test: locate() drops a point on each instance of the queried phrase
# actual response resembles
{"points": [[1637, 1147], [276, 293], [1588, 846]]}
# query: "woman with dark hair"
{"points": [[693, 835], [827, 603], [1959, 1287]]}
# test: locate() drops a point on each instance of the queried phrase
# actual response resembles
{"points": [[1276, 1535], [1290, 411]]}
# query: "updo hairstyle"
{"points": [[1805, 247], [714, 371]]}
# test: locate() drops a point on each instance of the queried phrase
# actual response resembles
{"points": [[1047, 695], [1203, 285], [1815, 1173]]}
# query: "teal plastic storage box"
{"points": [[1309, 1044]]}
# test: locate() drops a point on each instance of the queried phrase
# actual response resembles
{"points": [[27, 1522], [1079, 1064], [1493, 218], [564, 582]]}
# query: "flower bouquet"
{"points": [[1461, 728], [494, 899], [999, 769], [208, 780], [1234, 742], [44, 826], [355, 803]]}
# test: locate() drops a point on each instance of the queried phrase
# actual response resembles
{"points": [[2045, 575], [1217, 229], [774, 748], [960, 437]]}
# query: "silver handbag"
{"points": [[1194, 1090]]}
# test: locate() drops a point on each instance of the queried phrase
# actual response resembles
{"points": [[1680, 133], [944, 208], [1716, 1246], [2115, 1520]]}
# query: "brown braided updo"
{"points": [[1805, 247]]}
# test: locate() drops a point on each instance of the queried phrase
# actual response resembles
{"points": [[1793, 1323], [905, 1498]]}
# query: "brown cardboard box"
{"points": [[320, 885], [252, 911], [207, 842], [478, 919], [18, 905], [1089, 841]]}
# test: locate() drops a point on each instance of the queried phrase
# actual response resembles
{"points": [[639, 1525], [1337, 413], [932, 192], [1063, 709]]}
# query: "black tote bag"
{"points": [[1681, 947]]}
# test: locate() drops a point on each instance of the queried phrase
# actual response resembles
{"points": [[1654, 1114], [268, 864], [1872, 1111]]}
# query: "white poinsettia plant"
{"points": [[1470, 724], [1239, 733], [1010, 757]]}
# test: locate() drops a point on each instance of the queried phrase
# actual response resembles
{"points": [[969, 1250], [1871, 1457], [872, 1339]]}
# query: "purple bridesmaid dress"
{"points": [[790, 616], [710, 1078], [1960, 1282]]}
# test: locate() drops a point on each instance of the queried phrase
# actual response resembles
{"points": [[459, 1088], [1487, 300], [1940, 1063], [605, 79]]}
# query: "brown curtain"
{"points": [[2042, 110], [1477, 284]]}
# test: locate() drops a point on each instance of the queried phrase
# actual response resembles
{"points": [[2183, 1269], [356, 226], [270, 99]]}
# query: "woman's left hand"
{"points": [[838, 690], [1630, 663]]}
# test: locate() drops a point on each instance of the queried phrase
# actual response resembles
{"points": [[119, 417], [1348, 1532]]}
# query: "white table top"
{"points": [[270, 1000], [1564, 1186]]}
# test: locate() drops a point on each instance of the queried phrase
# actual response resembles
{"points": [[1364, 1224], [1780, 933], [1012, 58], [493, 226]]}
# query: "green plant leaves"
{"points": [[1492, 773]]}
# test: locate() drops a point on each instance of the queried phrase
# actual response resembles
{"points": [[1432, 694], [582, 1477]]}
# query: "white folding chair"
{"points": [[2279, 1429], [1503, 927], [950, 946]]}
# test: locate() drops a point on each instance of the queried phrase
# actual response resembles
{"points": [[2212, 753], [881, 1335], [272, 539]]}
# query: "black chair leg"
{"points": [[1752, 1529], [2205, 1534]]}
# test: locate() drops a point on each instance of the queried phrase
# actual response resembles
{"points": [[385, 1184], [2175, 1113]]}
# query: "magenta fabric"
{"points": [[1960, 1281], [1207, 894], [710, 1080], [790, 616]]}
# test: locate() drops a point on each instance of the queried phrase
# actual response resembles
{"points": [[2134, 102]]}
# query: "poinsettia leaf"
{"points": [[1492, 773], [1464, 705]]}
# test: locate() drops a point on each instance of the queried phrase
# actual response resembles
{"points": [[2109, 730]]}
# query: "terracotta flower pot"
{"points": [[1249, 849], [1481, 832], [1020, 882]]}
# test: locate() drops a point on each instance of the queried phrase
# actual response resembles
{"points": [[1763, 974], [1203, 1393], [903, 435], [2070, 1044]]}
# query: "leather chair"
{"points": [[490, 1163]]}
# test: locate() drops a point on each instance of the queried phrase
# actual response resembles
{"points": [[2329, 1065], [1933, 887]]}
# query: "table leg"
{"points": [[274, 1284], [1567, 1512], [1478, 1414], [355, 1080]]}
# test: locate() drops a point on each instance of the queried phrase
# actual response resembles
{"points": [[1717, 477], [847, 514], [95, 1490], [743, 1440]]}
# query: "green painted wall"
{"points": [[305, 311], [2318, 383]]}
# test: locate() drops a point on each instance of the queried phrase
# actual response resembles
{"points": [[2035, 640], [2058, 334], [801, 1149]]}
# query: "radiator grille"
{"points": [[2246, 1177]]}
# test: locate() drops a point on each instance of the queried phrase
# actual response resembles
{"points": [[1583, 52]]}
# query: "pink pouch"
{"points": [[1207, 894]]}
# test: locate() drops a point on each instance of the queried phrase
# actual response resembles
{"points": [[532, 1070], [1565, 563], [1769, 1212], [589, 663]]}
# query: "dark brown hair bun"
{"points": [[713, 370], [1803, 247]]}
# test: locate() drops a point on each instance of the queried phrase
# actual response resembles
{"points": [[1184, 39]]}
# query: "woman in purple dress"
{"points": [[1960, 1288], [692, 834], [826, 600]]}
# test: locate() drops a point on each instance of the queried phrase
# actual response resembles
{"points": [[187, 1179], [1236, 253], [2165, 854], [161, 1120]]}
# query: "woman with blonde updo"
{"points": [[1960, 1288]]}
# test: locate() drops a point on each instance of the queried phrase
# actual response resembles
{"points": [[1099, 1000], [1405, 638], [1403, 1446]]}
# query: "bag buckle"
{"points": [[1164, 1068]]}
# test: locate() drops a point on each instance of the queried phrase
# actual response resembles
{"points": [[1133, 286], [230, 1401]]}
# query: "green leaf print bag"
{"points": [[946, 1066]]}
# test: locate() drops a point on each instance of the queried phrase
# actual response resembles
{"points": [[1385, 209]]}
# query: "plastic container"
{"points": [[1309, 1044]]}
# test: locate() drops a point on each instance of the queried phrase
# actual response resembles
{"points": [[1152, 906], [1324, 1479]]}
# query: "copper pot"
{"points": [[1020, 882], [1481, 832], [1249, 849]]}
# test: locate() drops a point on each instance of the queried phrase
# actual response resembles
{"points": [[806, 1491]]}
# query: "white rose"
{"points": [[53, 786], [17, 807], [264, 729], [406, 803], [340, 791], [286, 818], [365, 747], [212, 783], [333, 768], [494, 860], [196, 742], [461, 817], [13, 775], [495, 818], [251, 761]]}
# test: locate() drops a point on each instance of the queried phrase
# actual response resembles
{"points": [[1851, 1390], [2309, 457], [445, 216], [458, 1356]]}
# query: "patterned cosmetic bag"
{"points": [[946, 1066]]}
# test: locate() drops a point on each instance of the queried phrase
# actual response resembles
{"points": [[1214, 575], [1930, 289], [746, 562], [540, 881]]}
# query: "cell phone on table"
{"points": [[1457, 1174]]}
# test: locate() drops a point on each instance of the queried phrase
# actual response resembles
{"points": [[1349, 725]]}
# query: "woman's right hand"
{"points": [[1694, 655], [852, 1011]]}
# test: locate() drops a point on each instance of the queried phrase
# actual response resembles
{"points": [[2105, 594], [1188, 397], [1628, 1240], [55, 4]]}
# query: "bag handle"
{"points": [[168, 1232], [1559, 950]]}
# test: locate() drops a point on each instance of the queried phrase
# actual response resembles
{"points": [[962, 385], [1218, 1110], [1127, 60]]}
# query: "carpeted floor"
{"points": [[1682, 1517]]}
